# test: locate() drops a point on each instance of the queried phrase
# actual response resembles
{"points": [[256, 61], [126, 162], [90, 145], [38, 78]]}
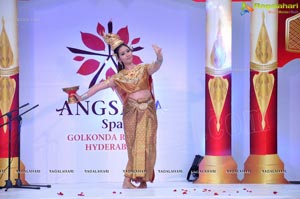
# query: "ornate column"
{"points": [[263, 164], [9, 86], [218, 165]]}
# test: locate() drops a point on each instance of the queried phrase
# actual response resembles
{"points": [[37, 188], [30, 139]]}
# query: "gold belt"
{"points": [[141, 104]]}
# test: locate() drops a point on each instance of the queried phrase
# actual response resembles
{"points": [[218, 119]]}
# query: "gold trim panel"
{"points": [[218, 89], [263, 49], [263, 67], [217, 72], [6, 52], [263, 84], [9, 71]]}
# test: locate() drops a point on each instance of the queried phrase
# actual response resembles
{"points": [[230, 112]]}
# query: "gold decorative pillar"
{"points": [[218, 165], [263, 165], [9, 87]]}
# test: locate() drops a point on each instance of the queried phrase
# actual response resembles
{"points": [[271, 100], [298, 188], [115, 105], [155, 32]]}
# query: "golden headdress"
{"points": [[113, 40]]}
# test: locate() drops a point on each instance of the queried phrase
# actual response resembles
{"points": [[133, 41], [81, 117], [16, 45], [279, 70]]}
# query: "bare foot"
{"points": [[143, 185], [127, 184]]}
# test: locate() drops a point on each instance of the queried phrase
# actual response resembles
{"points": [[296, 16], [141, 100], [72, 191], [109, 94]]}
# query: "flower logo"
{"points": [[245, 9], [95, 44]]}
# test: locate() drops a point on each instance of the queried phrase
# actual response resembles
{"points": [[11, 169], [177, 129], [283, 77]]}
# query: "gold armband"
{"points": [[106, 81]]}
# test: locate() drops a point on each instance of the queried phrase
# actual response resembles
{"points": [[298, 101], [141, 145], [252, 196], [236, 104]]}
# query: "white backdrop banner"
{"points": [[61, 46]]}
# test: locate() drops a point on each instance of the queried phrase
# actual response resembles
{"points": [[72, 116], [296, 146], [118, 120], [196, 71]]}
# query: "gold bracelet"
{"points": [[106, 81]]}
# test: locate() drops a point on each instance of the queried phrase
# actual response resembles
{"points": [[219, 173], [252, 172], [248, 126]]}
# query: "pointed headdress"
{"points": [[113, 40]]}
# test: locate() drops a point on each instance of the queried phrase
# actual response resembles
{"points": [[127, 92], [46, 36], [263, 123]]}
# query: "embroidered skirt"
{"points": [[140, 126]]}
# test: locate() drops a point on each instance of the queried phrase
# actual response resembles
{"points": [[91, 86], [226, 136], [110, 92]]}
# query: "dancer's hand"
{"points": [[158, 52], [78, 97]]}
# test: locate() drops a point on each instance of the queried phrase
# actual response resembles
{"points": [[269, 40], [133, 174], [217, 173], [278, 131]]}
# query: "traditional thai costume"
{"points": [[140, 122]]}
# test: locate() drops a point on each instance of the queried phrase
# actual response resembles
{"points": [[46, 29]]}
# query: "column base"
{"points": [[13, 171], [264, 169], [217, 170]]}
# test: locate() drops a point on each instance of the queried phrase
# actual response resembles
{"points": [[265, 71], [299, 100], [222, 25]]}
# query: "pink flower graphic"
{"points": [[96, 44]]}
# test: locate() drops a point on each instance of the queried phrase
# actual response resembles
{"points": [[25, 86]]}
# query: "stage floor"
{"points": [[157, 190]]}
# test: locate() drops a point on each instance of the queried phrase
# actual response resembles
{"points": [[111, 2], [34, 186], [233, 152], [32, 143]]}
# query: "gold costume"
{"points": [[140, 123]]}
